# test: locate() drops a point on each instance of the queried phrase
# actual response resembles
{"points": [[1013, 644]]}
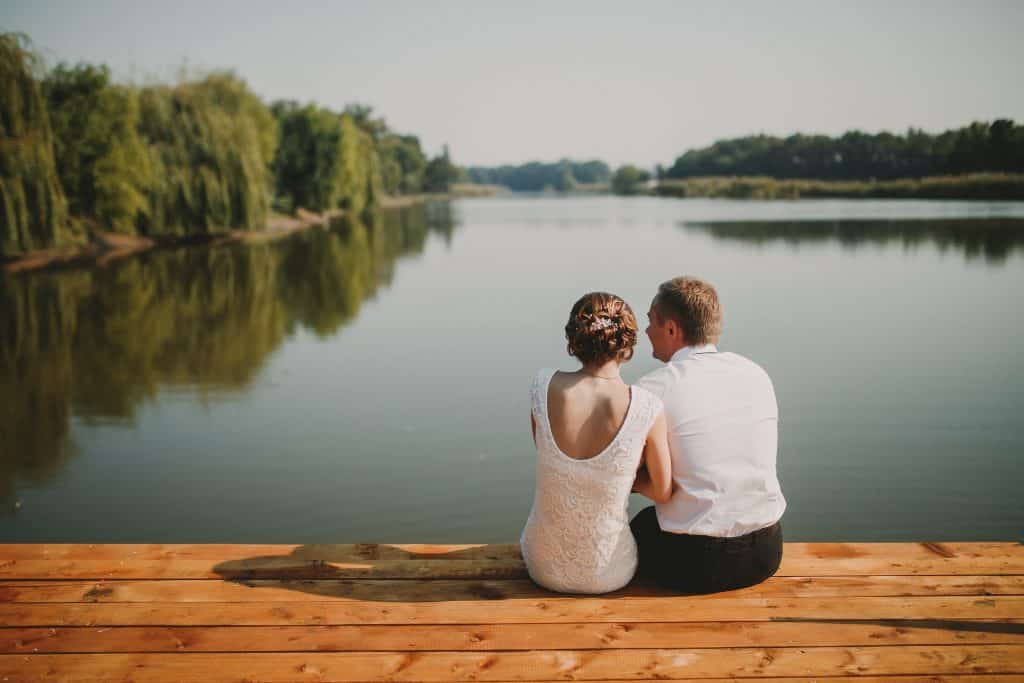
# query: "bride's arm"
{"points": [[654, 479]]}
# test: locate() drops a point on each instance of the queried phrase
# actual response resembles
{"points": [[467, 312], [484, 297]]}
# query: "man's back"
{"points": [[723, 433]]}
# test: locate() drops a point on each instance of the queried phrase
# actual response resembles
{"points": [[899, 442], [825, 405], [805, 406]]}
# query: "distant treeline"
{"points": [[78, 151], [560, 176], [979, 147], [970, 186]]}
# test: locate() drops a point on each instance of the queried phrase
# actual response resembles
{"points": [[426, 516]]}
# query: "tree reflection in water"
{"points": [[991, 239], [96, 343]]}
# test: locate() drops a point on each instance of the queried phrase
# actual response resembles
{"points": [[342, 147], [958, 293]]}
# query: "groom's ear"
{"points": [[675, 331]]}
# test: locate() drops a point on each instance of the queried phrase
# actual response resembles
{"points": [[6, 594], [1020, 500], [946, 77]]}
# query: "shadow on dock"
{"points": [[394, 573], [1004, 627]]}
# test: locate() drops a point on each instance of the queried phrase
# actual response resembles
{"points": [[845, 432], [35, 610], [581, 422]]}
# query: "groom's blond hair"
{"points": [[694, 305]]}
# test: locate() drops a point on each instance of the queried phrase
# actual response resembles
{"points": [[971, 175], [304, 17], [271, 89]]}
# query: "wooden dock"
{"points": [[836, 613]]}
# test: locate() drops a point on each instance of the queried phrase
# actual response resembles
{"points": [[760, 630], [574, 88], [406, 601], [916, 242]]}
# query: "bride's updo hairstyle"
{"points": [[601, 328]]}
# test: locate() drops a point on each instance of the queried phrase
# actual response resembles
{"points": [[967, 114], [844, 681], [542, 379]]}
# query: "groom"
{"points": [[720, 530]]}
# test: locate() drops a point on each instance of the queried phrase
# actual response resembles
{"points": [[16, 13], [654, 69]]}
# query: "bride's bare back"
{"points": [[586, 412]]}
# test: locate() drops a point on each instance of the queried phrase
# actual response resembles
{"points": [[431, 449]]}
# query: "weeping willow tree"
{"points": [[33, 209], [308, 162], [360, 172], [101, 160], [325, 160], [211, 144]]}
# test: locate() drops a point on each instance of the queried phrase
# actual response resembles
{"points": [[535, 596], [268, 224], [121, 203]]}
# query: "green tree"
{"points": [[33, 207], [360, 168], [440, 173], [402, 164], [308, 166], [629, 180], [102, 162], [535, 176], [855, 155], [211, 144]]}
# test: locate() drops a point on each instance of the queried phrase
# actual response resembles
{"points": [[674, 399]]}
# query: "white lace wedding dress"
{"points": [[577, 538]]}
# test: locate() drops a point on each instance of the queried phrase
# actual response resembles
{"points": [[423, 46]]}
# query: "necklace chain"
{"points": [[590, 374]]}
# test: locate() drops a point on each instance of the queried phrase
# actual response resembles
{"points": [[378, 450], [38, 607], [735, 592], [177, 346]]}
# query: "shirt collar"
{"points": [[687, 350]]}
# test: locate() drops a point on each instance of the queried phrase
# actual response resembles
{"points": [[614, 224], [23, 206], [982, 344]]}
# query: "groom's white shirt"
{"points": [[723, 435]]}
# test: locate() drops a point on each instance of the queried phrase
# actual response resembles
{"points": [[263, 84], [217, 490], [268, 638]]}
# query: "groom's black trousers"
{"points": [[705, 564]]}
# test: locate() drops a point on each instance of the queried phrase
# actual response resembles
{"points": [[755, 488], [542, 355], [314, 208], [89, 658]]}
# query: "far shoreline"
{"points": [[968, 187]]}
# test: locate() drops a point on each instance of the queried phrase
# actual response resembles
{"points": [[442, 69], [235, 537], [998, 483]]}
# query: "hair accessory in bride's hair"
{"points": [[600, 324]]}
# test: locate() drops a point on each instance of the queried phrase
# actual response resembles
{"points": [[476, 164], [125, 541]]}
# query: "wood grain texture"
{"points": [[521, 666], [841, 612], [376, 590], [365, 561], [556, 610], [579, 636]]}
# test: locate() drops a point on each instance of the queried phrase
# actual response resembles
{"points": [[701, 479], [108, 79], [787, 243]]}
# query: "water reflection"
{"points": [[991, 239], [97, 343]]}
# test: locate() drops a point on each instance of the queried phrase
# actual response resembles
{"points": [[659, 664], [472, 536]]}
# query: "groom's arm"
{"points": [[654, 478]]}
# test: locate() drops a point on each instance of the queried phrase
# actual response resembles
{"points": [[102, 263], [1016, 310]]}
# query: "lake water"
{"points": [[368, 383]]}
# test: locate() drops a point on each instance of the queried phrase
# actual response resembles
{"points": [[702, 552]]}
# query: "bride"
{"points": [[597, 438]]}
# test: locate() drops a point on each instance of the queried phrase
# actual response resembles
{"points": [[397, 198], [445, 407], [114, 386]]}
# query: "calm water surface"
{"points": [[368, 383]]}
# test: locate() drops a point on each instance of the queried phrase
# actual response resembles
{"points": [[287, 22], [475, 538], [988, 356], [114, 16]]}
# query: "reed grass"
{"points": [[971, 186]]}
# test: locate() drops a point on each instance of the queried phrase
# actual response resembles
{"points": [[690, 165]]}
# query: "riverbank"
{"points": [[102, 247], [984, 186]]}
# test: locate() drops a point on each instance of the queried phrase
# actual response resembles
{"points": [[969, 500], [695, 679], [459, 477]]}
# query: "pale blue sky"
{"points": [[624, 82]]}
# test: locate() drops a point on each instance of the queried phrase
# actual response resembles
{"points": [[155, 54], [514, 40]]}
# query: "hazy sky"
{"points": [[624, 81]]}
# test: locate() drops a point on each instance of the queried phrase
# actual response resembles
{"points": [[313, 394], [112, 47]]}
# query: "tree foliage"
{"points": [[403, 164], [327, 160], [195, 158], [995, 147], [33, 207], [102, 162], [629, 180], [360, 172], [308, 164], [211, 144], [440, 173], [400, 160], [536, 176]]}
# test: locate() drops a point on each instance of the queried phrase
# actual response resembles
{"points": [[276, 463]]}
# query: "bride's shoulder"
{"points": [[543, 375], [540, 379]]}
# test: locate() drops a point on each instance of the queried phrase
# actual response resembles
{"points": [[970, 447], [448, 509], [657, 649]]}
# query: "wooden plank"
{"points": [[520, 666], [558, 610], [316, 590], [337, 552], [367, 551], [350, 552], [483, 562], [504, 636], [271, 567], [415, 569]]}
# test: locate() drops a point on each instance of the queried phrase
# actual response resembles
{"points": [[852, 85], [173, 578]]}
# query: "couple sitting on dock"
{"points": [[698, 436]]}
